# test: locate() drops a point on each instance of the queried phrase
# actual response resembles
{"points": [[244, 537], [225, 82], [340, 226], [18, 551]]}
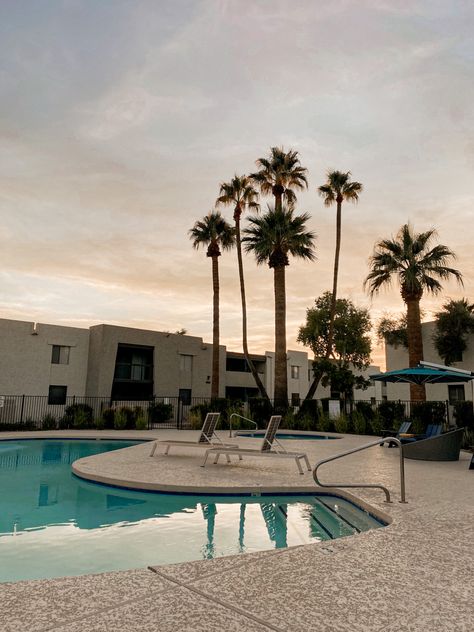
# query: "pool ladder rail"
{"points": [[240, 417], [366, 485]]}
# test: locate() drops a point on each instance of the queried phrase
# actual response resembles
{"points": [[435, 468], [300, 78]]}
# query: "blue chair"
{"points": [[404, 427], [432, 430]]}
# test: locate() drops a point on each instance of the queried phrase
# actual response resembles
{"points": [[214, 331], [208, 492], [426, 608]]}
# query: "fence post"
{"points": [[22, 408], [447, 414], [180, 412]]}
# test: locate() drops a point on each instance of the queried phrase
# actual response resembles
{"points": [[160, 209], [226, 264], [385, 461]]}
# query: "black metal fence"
{"points": [[32, 412], [38, 412]]}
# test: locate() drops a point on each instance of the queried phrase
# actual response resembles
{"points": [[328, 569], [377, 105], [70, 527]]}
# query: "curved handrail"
{"points": [[241, 417], [374, 485]]}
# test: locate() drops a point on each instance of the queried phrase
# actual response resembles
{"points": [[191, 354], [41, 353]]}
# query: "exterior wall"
{"points": [[168, 378], [26, 368], [397, 358], [25, 358]]}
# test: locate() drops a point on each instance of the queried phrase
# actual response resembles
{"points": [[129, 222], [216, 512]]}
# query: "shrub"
{"points": [[391, 413], [108, 416], [464, 414], [365, 408], [376, 424], [341, 424], [260, 411], [158, 412], [129, 415], [29, 424], [120, 420], [49, 422], [324, 422], [78, 416], [141, 421], [425, 413], [81, 419], [359, 422], [99, 423]]}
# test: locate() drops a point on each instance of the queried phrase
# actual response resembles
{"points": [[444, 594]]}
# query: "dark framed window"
{"points": [[456, 393], [60, 354], [295, 372], [57, 395], [295, 399], [185, 396]]}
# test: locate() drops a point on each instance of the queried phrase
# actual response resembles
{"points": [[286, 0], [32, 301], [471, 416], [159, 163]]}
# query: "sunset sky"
{"points": [[119, 119]]}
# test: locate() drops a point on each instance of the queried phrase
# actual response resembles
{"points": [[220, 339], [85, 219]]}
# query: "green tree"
{"points": [[279, 175], [454, 323], [337, 189], [393, 331], [418, 268], [214, 232], [272, 238], [241, 194], [351, 342]]}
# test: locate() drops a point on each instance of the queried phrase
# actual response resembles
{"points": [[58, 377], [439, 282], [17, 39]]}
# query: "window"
{"points": [[57, 395], [60, 355], [295, 399], [295, 372], [186, 363], [185, 395], [456, 393]]}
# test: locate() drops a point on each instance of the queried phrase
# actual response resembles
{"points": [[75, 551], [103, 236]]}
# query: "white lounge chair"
{"points": [[207, 438], [266, 449]]}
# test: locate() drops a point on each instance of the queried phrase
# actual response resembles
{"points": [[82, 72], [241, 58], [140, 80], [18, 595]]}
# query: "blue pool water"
{"points": [[53, 524]]}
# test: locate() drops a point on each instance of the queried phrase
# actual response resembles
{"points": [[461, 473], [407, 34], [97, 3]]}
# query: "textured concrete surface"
{"points": [[414, 575]]}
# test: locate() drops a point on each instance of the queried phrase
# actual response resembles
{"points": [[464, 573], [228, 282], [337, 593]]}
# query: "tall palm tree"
{"points": [[240, 193], [272, 238], [214, 232], [417, 268], [337, 189], [279, 175]]}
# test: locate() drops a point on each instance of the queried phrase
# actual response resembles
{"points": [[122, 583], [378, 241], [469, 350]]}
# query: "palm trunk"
{"points": [[415, 345], [281, 378], [215, 328], [253, 370], [332, 316]]}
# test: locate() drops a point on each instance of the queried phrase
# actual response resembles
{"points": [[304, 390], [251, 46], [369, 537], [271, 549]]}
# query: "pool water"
{"points": [[53, 524]]}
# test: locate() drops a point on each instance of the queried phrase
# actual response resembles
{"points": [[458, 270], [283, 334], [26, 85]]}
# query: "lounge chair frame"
{"points": [[207, 438], [266, 449]]}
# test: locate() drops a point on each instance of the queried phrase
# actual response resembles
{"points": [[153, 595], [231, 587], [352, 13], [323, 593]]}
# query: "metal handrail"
{"points": [[241, 417], [378, 486]]}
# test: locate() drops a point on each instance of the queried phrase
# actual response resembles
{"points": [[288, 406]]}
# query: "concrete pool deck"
{"points": [[415, 574]]}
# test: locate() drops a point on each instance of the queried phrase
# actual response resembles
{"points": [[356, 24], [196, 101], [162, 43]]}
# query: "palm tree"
{"points": [[338, 188], [279, 175], [214, 232], [272, 238], [417, 269], [240, 193]]}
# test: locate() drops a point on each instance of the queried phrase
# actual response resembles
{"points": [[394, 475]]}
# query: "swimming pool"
{"points": [[53, 524]]}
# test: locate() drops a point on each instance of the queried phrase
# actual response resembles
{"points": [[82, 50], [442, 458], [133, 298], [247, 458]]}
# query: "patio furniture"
{"points": [[391, 432], [441, 447], [206, 439], [432, 430], [270, 447]]}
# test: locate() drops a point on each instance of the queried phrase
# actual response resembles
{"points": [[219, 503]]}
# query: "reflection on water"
{"points": [[53, 524]]}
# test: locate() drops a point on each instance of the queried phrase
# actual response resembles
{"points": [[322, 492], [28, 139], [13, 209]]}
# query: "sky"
{"points": [[120, 118]]}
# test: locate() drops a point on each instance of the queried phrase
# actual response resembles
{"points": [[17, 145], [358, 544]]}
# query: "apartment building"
{"points": [[397, 358], [123, 363]]}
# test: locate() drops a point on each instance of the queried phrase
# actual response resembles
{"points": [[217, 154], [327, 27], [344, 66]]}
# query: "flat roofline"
{"points": [[241, 356]]}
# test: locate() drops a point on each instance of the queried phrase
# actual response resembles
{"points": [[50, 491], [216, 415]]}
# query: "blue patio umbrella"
{"points": [[425, 373]]}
